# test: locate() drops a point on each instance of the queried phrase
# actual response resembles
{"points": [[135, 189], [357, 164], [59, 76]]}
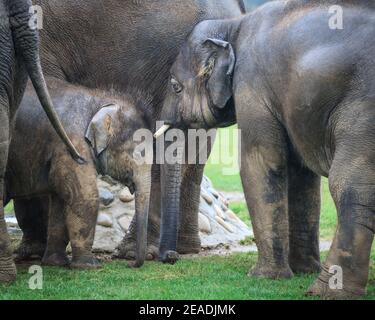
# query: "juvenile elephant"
{"points": [[19, 58], [305, 105], [45, 182]]}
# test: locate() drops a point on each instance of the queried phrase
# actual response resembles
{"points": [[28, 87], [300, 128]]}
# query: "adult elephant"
{"points": [[304, 99], [118, 44], [19, 58]]}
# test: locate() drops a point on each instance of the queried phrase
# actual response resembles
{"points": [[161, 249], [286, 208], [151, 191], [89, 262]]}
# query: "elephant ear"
{"points": [[219, 69], [100, 129]]}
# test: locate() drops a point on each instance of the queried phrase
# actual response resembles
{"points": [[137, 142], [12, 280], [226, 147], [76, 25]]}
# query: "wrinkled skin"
{"points": [[134, 47], [304, 99], [102, 126], [19, 58]]}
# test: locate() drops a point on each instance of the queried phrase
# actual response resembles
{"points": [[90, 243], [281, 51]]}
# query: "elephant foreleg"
{"points": [[76, 187], [58, 239], [264, 176], [304, 214]]}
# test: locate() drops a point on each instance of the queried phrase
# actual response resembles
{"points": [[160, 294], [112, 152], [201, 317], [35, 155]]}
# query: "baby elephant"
{"points": [[44, 181]]}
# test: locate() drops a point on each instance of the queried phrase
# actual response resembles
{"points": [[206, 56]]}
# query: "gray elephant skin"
{"points": [[135, 47], [51, 189], [304, 100], [19, 58]]}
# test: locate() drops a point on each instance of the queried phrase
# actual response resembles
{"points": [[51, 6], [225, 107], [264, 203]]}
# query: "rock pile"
{"points": [[217, 223]]}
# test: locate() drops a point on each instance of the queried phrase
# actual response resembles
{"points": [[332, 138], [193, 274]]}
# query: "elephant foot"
{"points": [[85, 262], [323, 289], [310, 265], [28, 251], [126, 250], [55, 260], [271, 272], [170, 257], [8, 271], [188, 244]]}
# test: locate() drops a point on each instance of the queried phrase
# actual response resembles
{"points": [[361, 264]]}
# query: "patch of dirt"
{"points": [[221, 250]]}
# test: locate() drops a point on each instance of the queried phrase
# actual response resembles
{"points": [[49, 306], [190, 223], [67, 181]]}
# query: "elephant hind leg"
{"points": [[352, 185], [304, 215], [8, 271], [32, 217]]}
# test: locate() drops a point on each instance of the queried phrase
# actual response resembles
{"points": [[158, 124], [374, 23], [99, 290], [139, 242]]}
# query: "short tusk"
{"points": [[161, 131]]}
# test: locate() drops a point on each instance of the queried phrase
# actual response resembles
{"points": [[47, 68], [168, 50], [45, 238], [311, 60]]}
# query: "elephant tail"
{"points": [[26, 42]]}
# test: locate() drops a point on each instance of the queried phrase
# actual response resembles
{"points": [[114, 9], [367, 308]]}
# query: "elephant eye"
{"points": [[177, 87]]}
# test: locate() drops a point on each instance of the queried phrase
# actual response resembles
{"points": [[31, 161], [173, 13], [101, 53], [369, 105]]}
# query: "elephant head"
{"points": [[26, 44], [110, 134], [200, 91]]}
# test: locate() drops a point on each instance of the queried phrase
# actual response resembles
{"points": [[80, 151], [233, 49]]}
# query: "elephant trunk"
{"points": [[142, 202], [26, 43], [171, 186]]}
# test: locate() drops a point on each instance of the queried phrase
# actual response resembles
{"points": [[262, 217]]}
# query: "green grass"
{"points": [[227, 183], [9, 208], [328, 217], [193, 278], [224, 156]]}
